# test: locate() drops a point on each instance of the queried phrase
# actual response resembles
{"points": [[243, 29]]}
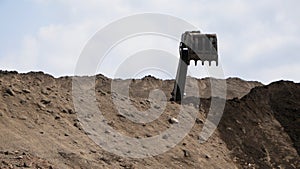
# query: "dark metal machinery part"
{"points": [[193, 46]]}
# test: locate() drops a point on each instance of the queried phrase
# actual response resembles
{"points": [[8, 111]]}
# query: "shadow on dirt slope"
{"points": [[262, 129]]}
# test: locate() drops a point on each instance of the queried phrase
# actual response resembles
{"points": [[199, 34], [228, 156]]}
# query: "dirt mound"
{"points": [[262, 128], [37, 118], [12, 159], [236, 88]]}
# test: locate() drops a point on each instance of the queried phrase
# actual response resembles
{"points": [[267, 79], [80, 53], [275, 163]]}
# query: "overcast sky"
{"points": [[258, 40]]}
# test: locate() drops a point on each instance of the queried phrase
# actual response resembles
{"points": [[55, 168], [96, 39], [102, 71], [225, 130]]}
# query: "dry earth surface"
{"points": [[39, 127]]}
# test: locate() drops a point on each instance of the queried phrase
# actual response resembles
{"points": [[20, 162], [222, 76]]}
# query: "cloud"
{"points": [[250, 33], [60, 46], [25, 59], [282, 72]]}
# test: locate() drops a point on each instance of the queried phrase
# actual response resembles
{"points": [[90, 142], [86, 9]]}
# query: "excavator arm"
{"points": [[193, 46]]}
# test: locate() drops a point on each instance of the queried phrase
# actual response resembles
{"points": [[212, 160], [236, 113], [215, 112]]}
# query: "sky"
{"points": [[258, 40]]}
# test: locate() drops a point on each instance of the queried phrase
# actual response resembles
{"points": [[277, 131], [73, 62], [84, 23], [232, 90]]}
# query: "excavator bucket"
{"points": [[193, 46]]}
